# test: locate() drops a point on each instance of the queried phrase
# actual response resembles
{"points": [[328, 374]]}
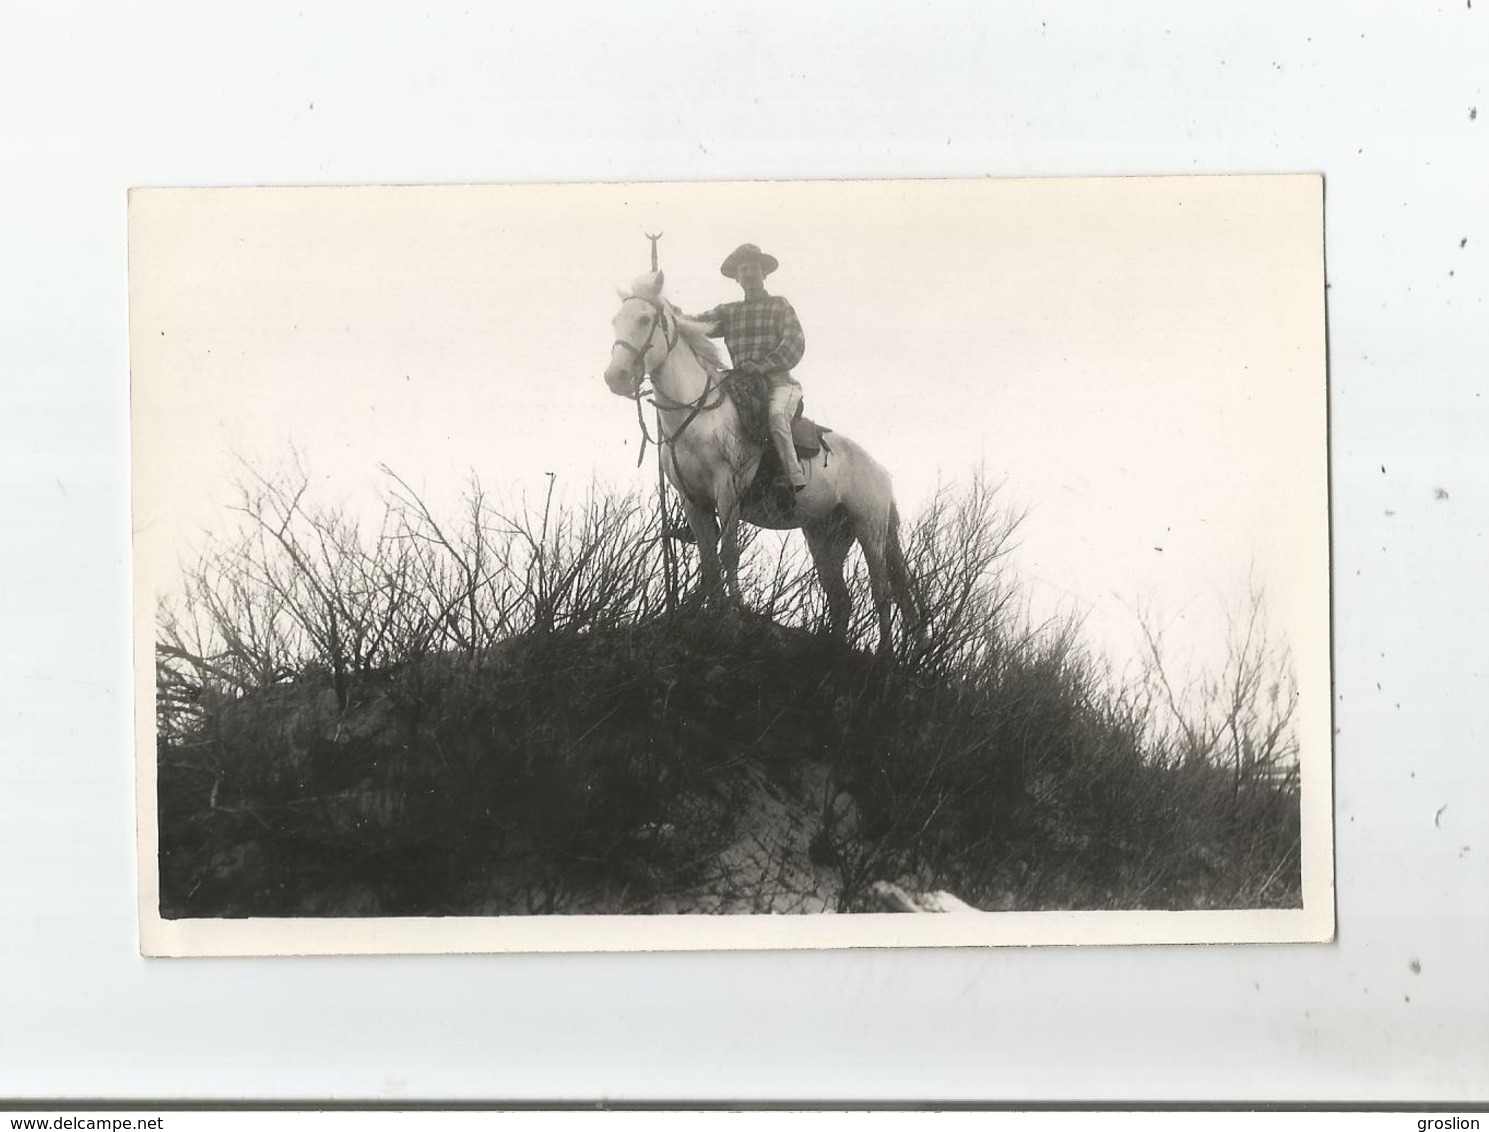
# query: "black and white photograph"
{"points": [[580, 567]]}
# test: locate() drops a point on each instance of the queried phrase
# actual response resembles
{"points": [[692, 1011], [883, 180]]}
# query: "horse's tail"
{"points": [[899, 575]]}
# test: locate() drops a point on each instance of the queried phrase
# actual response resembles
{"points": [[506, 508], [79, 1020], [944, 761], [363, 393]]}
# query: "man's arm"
{"points": [[713, 318], [791, 347]]}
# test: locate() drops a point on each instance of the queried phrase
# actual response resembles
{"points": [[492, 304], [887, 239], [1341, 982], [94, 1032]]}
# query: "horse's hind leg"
{"points": [[829, 545], [873, 538]]}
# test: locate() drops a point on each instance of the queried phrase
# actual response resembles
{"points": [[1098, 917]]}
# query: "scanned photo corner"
{"points": [[701, 566]]}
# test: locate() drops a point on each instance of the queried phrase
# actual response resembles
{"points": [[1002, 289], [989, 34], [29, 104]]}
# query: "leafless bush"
{"points": [[956, 550], [498, 708], [499, 572], [1240, 717]]}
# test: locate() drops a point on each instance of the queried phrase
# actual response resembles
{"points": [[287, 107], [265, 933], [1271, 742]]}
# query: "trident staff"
{"points": [[669, 553]]}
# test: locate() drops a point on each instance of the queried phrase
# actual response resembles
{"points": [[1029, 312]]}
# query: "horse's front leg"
{"points": [[727, 496], [705, 527]]}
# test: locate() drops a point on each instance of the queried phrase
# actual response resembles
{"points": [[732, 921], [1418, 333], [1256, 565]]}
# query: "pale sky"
{"points": [[1141, 361]]}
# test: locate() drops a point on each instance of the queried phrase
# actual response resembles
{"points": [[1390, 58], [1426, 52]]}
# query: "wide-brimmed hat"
{"points": [[743, 254]]}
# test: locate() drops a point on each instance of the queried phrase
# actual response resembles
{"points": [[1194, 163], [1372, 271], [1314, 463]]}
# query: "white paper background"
{"points": [[94, 99]]}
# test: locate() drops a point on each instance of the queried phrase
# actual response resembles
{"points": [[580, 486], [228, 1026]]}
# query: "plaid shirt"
{"points": [[762, 331]]}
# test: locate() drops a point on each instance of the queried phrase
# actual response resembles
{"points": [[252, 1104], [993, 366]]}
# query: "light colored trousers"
{"points": [[785, 396]]}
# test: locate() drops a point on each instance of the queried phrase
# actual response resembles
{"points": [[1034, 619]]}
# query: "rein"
{"points": [[657, 398]]}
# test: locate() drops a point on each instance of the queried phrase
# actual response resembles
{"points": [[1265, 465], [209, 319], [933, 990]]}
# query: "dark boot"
{"points": [[783, 495]]}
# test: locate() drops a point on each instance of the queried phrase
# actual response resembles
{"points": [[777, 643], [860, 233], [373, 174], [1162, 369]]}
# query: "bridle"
{"points": [[638, 357], [670, 336]]}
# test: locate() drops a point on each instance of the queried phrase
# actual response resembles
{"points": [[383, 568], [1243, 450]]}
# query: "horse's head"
{"points": [[646, 329]]}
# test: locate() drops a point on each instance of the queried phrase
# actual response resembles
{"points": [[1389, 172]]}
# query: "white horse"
{"points": [[711, 463]]}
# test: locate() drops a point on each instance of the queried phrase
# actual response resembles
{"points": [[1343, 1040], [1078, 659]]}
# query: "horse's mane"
{"points": [[692, 332], [695, 334]]}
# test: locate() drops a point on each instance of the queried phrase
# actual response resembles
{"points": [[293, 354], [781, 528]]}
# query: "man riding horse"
{"points": [[764, 338], [711, 459]]}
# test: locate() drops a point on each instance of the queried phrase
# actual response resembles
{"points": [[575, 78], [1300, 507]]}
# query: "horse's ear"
{"points": [[661, 278]]}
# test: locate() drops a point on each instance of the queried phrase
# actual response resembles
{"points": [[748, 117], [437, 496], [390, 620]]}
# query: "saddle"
{"points": [[750, 393]]}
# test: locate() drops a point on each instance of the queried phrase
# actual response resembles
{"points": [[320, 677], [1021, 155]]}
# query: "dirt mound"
{"points": [[692, 763]]}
